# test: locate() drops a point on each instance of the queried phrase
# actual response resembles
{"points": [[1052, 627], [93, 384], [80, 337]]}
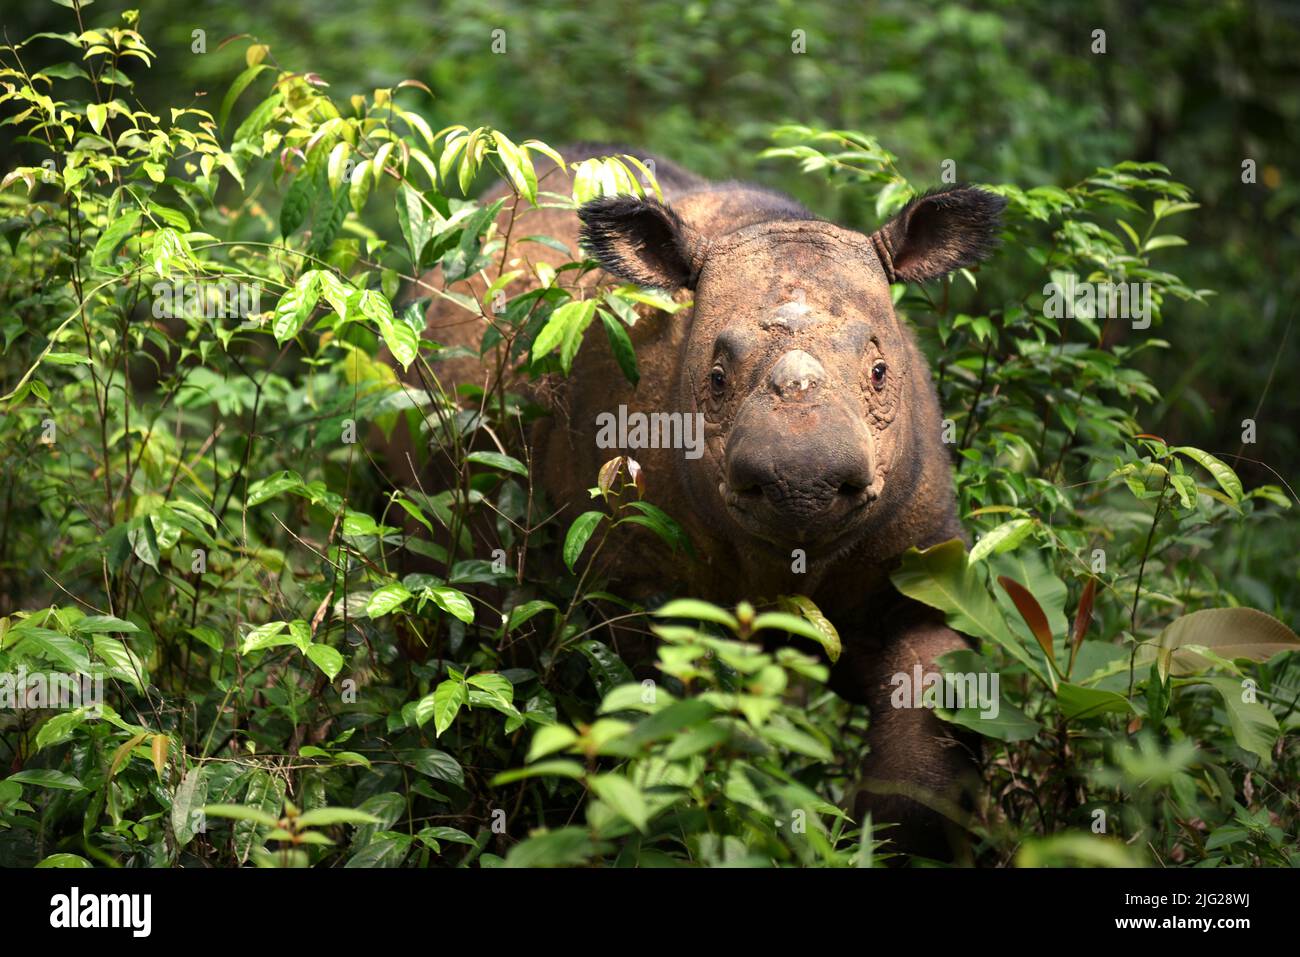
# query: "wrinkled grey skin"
{"points": [[824, 460]]}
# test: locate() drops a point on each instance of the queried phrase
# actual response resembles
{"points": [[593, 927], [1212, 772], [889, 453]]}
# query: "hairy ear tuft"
{"points": [[641, 241], [938, 232]]}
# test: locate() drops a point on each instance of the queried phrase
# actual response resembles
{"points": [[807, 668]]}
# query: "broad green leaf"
{"points": [[804, 606], [438, 765], [401, 339], [562, 769], [1003, 538], [1225, 476], [44, 778], [1077, 702], [325, 658], [1228, 632], [623, 796], [526, 611], [453, 601], [112, 236], [699, 610], [499, 461], [551, 738], [296, 305], [941, 577], [1254, 726], [270, 635], [328, 816], [620, 344], [579, 533], [448, 698], [190, 796], [386, 599]]}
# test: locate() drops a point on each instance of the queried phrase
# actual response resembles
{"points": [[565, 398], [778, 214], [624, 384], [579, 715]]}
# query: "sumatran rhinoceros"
{"points": [[821, 458]]}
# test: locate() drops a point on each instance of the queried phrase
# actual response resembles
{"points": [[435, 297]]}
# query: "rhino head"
{"points": [[821, 423]]}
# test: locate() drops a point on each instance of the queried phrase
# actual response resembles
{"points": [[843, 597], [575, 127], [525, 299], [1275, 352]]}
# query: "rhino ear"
{"points": [[939, 232], [642, 241]]}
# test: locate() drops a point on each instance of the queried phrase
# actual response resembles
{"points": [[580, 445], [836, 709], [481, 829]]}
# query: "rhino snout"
{"points": [[799, 478]]}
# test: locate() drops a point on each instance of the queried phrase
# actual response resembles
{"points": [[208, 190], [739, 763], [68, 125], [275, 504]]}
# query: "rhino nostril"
{"points": [[851, 489]]}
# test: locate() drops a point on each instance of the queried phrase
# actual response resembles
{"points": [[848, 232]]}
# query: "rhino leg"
{"points": [[920, 770]]}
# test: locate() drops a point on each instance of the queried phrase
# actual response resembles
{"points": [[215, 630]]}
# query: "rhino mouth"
{"points": [[799, 516]]}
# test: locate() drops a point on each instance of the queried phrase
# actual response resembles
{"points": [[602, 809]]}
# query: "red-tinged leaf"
{"points": [[1031, 612], [1082, 619]]}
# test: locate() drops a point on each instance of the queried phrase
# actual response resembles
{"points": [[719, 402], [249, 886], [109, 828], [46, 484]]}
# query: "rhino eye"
{"points": [[718, 379], [878, 375]]}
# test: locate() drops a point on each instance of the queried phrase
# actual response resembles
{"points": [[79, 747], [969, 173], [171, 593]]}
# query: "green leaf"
{"points": [[236, 88], [565, 847], [659, 522], [623, 796], [326, 659], [1009, 724], [564, 329], [1253, 725], [453, 601], [270, 635], [401, 339], [1224, 475], [448, 698], [411, 219], [296, 305], [44, 778], [388, 849], [59, 728], [112, 236], [96, 624], [1003, 538], [97, 113], [68, 653], [386, 599], [804, 606], [519, 168], [621, 345], [328, 816], [1077, 702], [241, 812], [190, 795], [1227, 632], [119, 661], [265, 797], [498, 461], [299, 199], [550, 738], [438, 765], [273, 485], [561, 769], [579, 533], [699, 610], [941, 577], [525, 611]]}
